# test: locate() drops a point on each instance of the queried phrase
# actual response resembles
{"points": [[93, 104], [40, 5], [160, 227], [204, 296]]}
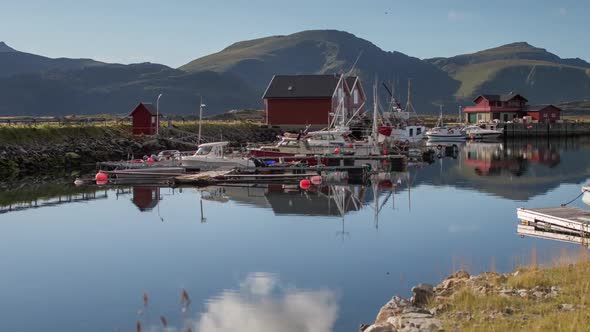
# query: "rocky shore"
{"points": [[529, 299], [31, 151]]}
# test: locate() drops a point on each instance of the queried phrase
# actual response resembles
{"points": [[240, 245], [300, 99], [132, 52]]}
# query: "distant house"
{"points": [[300, 100], [145, 121], [510, 107]]}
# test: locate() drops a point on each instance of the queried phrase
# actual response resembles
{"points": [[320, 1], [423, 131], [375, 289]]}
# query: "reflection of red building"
{"points": [[492, 160], [146, 198]]}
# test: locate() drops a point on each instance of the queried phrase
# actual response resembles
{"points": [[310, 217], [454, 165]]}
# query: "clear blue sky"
{"points": [[175, 32]]}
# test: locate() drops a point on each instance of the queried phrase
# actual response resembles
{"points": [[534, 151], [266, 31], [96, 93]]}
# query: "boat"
{"points": [[444, 133], [314, 143], [147, 172], [483, 131], [399, 124], [211, 156]]}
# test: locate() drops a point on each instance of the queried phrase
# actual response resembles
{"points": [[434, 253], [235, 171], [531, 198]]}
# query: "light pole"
{"points": [[158, 114], [201, 106]]}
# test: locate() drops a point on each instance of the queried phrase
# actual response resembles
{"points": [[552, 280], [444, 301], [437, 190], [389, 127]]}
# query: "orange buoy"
{"points": [[316, 179], [304, 184]]}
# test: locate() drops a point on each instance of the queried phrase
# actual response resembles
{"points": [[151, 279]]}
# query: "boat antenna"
{"points": [[354, 64]]}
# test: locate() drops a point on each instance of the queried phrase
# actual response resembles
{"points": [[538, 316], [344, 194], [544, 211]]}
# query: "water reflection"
{"points": [[263, 304], [146, 197]]}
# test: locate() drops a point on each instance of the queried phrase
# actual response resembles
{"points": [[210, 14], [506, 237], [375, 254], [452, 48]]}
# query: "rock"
{"points": [[415, 322], [363, 327], [380, 328], [459, 275], [508, 311], [395, 306], [422, 294], [539, 294], [566, 307]]}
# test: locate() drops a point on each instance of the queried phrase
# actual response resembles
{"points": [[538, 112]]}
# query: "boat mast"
{"points": [[200, 118]]}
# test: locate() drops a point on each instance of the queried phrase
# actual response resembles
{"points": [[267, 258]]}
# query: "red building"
{"points": [[510, 107], [300, 100], [145, 121]]}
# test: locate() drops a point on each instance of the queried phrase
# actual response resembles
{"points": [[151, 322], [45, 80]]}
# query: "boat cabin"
{"points": [[215, 149]]}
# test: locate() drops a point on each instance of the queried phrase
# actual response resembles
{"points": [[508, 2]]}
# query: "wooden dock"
{"points": [[533, 231], [564, 219]]}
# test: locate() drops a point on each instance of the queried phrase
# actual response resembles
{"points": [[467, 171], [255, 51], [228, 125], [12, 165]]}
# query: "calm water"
{"points": [[273, 258]]}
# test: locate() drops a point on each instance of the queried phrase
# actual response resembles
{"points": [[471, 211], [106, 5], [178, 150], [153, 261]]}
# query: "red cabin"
{"points": [[145, 119], [510, 107], [300, 100]]}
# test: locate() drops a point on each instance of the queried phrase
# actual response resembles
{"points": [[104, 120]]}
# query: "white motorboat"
{"points": [[399, 124], [444, 133], [483, 132], [211, 156]]}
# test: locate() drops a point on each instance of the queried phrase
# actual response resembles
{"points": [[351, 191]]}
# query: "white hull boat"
{"points": [[211, 156]]}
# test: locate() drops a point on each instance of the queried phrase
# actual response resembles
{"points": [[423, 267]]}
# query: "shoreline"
{"points": [[531, 298]]}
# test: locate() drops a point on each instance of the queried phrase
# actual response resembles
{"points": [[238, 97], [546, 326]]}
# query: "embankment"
{"points": [[555, 298], [42, 149]]}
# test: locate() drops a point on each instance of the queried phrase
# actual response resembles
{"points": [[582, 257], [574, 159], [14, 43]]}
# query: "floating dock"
{"points": [[533, 231], [564, 219]]}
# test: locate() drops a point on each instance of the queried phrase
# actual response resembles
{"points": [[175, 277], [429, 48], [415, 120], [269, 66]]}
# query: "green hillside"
{"points": [[540, 75], [326, 52], [13, 62], [116, 89]]}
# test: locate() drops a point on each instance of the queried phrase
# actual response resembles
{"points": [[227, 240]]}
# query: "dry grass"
{"points": [[471, 311]]}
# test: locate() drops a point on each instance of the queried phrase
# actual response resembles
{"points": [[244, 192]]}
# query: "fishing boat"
{"points": [[444, 133], [211, 156], [399, 125]]}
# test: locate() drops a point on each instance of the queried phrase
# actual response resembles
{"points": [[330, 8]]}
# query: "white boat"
{"points": [[444, 133], [400, 126], [483, 132], [211, 156]]}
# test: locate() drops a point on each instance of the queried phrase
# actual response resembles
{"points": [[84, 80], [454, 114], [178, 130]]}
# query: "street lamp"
{"points": [[201, 106], [158, 114]]}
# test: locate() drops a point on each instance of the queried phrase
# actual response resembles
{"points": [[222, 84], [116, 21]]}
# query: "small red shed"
{"points": [[544, 113], [145, 119]]}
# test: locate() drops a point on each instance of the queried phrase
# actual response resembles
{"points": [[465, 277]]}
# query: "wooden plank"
{"points": [[566, 217]]}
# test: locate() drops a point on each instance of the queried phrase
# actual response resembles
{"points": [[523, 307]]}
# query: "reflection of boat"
{"points": [[211, 156]]}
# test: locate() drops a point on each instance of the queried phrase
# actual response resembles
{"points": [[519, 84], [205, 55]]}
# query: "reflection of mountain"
{"points": [[515, 170]]}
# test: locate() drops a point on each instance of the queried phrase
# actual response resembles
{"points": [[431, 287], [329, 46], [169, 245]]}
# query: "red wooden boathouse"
{"points": [[300, 100], [145, 121]]}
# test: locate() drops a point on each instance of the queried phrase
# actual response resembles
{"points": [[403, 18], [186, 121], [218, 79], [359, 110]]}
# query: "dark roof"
{"points": [[540, 107], [148, 106], [302, 86], [504, 97]]}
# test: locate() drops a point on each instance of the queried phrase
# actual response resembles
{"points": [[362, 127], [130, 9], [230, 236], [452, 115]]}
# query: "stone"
{"points": [[459, 275], [363, 327], [566, 307], [395, 306], [422, 294], [416, 322], [380, 328], [538, 294]]}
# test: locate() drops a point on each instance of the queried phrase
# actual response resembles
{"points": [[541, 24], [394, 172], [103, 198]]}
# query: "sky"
{"points": [[175, 32]]}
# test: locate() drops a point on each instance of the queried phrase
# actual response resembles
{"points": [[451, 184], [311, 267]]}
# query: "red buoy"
{"points": [[102, 182], [316, 179], [150, 160], [304, 184], [336, 151], [100, 176]]}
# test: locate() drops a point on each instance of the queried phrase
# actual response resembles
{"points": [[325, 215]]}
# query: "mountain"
{"points": [[13, 62], [541, 76], [116, 89], [5, 48], [326, 52]]}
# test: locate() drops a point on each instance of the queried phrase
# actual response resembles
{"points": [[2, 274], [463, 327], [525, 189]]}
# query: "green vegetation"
{"points": [[541, 76], [564, 307], [52, 133]]}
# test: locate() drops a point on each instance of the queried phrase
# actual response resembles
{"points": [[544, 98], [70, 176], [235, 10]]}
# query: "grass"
{"points": [[471, 311], [52, 133]]}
